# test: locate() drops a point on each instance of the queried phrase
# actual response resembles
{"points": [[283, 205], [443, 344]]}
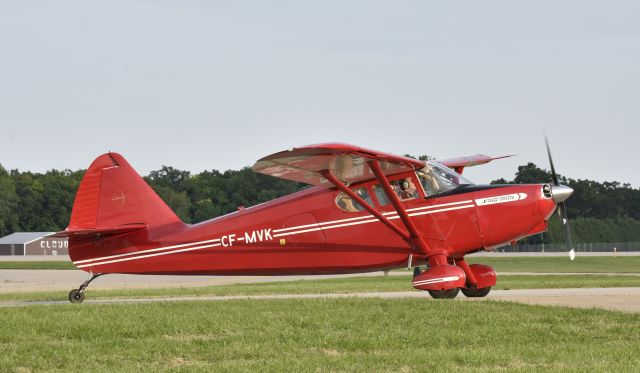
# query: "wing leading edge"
{"points": [[348, 163]]}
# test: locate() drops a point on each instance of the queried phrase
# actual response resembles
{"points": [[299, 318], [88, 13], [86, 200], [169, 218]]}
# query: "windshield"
{"points": [[437, 178]]}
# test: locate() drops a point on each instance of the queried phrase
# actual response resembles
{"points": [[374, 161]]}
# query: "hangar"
{"points": [[33, 243]]}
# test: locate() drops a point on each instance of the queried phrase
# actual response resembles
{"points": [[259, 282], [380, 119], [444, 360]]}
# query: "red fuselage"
{"points": [[307, 233]]}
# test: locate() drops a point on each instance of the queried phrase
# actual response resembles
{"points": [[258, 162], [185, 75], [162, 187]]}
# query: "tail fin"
{"points": [[112, 198]]}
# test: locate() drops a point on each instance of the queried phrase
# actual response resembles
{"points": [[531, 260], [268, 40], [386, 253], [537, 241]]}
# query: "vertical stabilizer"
{"points": [[112, 196]]}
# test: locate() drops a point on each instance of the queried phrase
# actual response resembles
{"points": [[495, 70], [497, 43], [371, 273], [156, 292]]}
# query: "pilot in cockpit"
{"points": [[407, 189]]}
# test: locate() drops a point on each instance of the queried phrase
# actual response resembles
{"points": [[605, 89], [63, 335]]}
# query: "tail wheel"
{"points": [[76, 296], [444, 294], [476, 293]]}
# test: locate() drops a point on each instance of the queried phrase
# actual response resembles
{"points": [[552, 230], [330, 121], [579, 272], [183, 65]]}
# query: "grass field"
{"points": [[402, 335], [329, 334], [36, 265], [582, 264], [627, 264], [339, 285]]}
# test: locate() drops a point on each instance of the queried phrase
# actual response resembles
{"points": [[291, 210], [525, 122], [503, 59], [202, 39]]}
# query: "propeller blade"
{"points": [[560, 200], [562, 212], [553, 169]]}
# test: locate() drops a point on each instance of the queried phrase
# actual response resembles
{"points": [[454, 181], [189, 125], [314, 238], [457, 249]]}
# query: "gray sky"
{"points": [[217, 85]]}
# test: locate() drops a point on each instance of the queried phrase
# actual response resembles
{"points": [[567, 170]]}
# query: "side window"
{"points": [[404, 188], [346, 203], [380, 195]]}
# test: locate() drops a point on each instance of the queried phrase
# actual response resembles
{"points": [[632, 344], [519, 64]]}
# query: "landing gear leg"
{"points": [[77, 295], [416, 271]]}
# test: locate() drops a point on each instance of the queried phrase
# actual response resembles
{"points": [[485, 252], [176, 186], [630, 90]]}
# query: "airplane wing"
{"points": [[348, 163], [459, 163]]}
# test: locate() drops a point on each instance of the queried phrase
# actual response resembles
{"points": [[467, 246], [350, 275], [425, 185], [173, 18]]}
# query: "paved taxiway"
{"points": [[26, 280], [11, 281], [619, 299]]}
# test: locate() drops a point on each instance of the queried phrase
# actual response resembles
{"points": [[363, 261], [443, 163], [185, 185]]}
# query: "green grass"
{"points": [[582, 264], [37, 265], [509, 282], [402, 335], [339, 285]]}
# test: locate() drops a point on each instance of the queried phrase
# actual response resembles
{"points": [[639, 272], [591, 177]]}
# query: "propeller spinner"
{"points": [[560, 194]]}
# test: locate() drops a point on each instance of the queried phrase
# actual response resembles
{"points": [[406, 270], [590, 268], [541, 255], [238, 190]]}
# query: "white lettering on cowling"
{"points": [[501, 199]]}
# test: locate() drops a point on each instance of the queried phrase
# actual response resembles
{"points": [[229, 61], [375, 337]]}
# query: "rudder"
{"points": [[112, 196]]}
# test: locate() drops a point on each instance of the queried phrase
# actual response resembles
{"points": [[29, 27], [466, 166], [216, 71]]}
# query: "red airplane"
{"points": [[366, 211]]}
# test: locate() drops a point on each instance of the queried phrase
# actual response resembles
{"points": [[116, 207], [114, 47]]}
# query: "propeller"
{"points": [[560, 194]]}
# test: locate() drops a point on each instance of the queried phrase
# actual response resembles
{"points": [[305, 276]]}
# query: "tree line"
{"points": [[599, 212]]}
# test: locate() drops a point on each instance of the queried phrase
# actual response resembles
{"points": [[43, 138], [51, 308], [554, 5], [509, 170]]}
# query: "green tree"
{"points": [[8, 203], [178, 201]]}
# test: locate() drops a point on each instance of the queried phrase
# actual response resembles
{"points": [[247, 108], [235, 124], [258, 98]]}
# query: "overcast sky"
{"points": [[217, 85]]}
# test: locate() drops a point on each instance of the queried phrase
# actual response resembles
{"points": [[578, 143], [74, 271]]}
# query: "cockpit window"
{"points": [[346, 203], [436, 179], [381, 196], [404, 188]]}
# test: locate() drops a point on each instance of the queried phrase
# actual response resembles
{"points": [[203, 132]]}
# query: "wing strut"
{"points": [[329, 176], [415, 238], [412, 237]]}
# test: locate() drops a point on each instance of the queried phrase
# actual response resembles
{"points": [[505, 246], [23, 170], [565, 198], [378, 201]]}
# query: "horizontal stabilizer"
{"points": [[106, 231], [459, 163]]}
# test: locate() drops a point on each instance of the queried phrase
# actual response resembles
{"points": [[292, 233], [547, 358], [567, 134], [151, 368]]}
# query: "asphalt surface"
{"points": [[28, 280], [12, 281], [618, 299]]}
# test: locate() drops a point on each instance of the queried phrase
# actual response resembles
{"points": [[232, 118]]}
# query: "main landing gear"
{"points": [[77, 295], [444, 278], [452, 293]]}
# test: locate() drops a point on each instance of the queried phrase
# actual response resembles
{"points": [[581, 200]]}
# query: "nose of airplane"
{"points": [[561, 192]]}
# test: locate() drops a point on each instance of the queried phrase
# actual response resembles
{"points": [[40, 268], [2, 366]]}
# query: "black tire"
{"points": [[476, 293], [75, 296], [444, 294]]}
